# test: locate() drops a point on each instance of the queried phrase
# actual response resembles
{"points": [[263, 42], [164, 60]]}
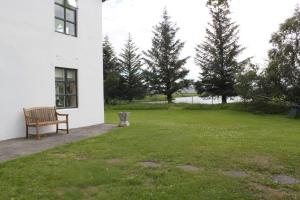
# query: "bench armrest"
{"points": [[63, 115], [58, 114]]}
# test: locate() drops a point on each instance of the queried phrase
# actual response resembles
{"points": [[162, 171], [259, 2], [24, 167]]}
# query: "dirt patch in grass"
{"points": [[81, 157], [69, 156], [150, 164], [264, 161], [149, 183], [266, 192], [90, 191], [60, 155], [188, 168], [285, 180], [236, 174], [261, 161], [114, 161]]}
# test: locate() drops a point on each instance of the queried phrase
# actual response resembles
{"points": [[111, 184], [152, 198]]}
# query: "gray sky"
{"points": [[258, 19]]}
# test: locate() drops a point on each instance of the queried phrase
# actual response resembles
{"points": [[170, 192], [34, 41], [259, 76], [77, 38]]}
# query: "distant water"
{"points": [[205, 100]]}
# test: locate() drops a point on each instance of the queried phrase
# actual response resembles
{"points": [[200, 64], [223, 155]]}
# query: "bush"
{"points": [[138, 106], [253, 107], [267, 108]]}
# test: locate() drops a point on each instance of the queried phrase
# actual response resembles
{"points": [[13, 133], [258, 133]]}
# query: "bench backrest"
{"points": [[43, 114]]}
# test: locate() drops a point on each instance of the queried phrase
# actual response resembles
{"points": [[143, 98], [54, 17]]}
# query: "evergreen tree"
{"points": [[283, 72], [110, 72], [212, 2], [165, 73], [218, 55], [131, 72]]}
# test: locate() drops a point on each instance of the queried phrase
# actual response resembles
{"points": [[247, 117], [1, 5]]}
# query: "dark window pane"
{"points": [[60, 101], [71, 101], [70, 28], [71, 3], [71, 75], [60, 88], [59, 1], [59, 11], [70, 15], [59, 25], [59, 74], [71, 88]]}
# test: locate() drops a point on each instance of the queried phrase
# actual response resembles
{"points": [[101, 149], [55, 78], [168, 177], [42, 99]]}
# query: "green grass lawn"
{"points": [[213, 144]]}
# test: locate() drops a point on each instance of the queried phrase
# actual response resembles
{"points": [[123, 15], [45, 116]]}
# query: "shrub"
{"points": [[253, 107], [138, 106]]}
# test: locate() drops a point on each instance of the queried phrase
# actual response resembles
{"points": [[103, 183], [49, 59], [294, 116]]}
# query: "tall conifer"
{"points": [[218, 55], [166, 73]]}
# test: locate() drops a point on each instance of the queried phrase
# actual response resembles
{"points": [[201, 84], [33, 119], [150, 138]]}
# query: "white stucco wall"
{"points": [[29, 51]]}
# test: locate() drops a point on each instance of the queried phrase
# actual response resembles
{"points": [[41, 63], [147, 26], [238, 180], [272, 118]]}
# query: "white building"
{"points": [[50, 55]]}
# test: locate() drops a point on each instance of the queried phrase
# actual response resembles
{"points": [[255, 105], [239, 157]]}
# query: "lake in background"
{"points": [[205, 100]]}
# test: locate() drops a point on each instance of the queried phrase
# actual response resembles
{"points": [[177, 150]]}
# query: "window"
{"points": [[66, 17], [66, 88]]}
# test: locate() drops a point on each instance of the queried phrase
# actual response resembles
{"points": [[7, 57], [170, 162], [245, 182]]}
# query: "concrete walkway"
{"points": [[12, 149]]}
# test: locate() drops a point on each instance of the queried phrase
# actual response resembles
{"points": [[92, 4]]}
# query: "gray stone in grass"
{"points": [[236, 174], [284, 179], [114, 161], [188, 168], [150, 164]]}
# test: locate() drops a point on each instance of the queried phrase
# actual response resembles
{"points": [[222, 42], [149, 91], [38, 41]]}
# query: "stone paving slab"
{"points": [[15, 148], [284, 179]]}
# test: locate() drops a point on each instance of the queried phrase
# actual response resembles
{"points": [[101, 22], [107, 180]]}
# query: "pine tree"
{"points": [[165, 73], [111, 72], [211, 2], [131, 72], [218, 55]]}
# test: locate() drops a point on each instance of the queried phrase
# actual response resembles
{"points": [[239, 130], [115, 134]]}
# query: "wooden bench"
{"points": [[44, 116]]}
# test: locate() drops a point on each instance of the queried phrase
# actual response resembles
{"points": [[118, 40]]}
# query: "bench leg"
{"points": [[67, 124], [37, 133], [27, 132], [67, 127], [56, 128]]}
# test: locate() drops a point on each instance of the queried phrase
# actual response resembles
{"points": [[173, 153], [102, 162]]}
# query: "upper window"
{"points": [[66, 17], [66, 88]]}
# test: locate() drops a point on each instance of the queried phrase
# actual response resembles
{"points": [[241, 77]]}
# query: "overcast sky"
{"points": [[258, 19]]}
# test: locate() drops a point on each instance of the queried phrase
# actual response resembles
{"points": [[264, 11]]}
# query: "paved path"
{"points": [[11, 149]]}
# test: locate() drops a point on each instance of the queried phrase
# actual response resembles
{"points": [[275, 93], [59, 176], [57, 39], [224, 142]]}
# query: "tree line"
{"points": [[160, 69]]}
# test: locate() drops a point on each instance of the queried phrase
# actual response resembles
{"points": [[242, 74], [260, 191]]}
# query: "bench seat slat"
{"points": [[47, 123]]}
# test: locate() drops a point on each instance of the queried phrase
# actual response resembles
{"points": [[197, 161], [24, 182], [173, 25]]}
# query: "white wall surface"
{"points": [[29, 51]]}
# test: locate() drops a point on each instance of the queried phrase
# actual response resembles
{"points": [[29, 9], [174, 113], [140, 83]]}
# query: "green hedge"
{"points": [[138, 106], [257, 107], [254, 107]]}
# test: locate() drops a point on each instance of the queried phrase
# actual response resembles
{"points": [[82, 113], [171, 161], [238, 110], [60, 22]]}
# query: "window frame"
{"points": [[65, 82], [65, 21]]}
